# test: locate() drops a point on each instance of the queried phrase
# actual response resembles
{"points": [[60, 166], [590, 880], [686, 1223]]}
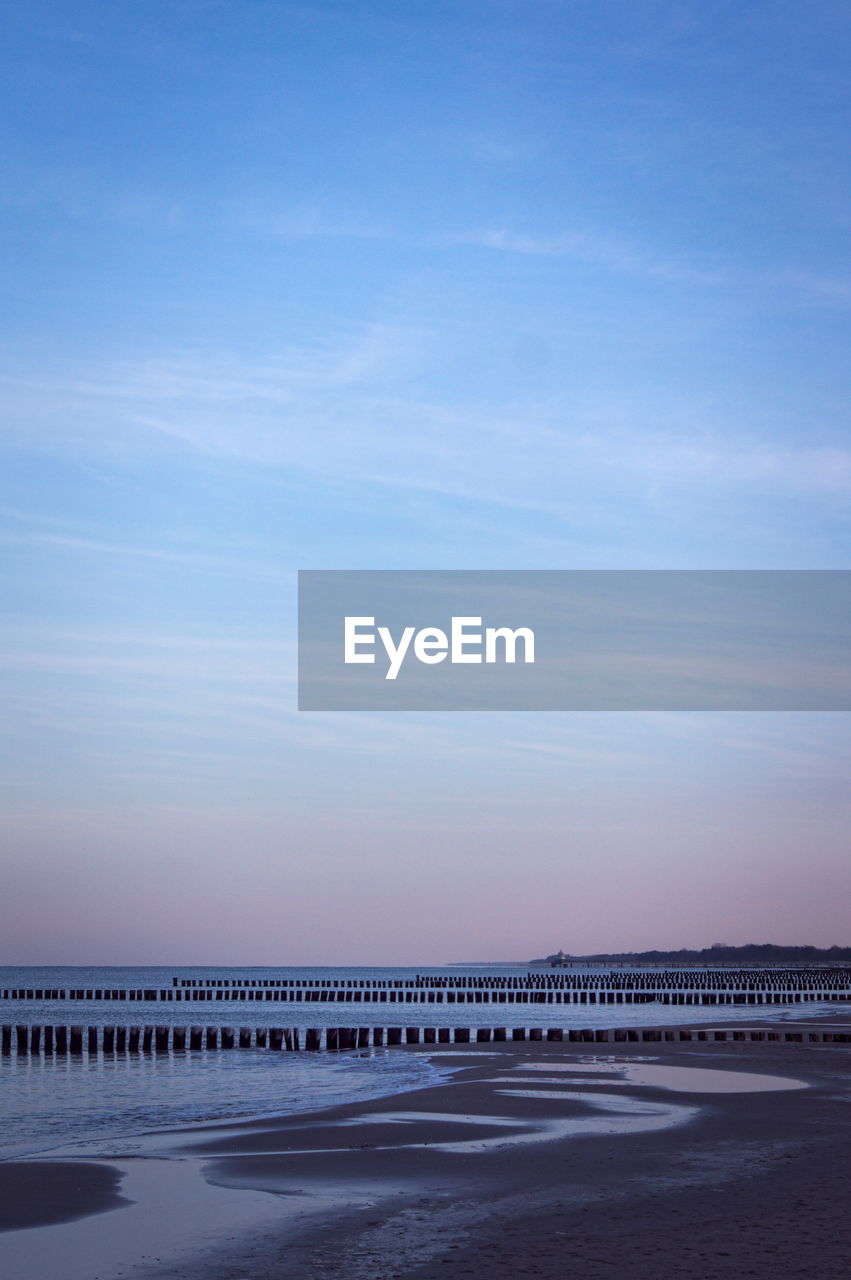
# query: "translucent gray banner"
{"points": [[607, 640]]}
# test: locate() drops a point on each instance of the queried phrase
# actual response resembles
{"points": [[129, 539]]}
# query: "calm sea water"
{"points": [[50, 1101]]}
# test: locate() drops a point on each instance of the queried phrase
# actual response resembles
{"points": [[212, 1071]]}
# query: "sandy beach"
{"points": [[551, 1160]]}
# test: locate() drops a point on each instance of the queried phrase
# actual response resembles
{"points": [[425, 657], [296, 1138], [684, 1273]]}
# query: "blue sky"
{"points": [[421, 285]]}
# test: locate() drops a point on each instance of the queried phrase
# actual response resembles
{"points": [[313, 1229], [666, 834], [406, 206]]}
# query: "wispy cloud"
{"points": [[596, 249], [344, 413]]}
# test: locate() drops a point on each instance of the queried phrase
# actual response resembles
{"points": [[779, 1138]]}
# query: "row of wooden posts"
{"points": [[340, 995], [34, 1040]]}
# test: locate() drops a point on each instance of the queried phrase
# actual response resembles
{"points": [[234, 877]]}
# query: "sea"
{"points": [[50, 1101]]}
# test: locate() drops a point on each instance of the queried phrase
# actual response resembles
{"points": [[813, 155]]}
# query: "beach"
{"points": [[542, 1159]]}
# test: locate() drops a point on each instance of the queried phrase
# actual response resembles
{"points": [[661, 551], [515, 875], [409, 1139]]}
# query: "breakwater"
{"points": [[29, 1041], [709, 987]]}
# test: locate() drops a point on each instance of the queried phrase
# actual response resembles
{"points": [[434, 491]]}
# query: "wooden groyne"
{"points": [[61, 1041], [710, 987]]}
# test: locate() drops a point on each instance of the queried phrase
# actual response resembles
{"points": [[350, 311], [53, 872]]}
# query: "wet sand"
{"points": [[38, 1193], [548, 1160]]}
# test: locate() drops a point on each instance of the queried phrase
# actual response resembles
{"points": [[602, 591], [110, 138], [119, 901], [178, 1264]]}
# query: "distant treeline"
{"points": [[750, 954]]}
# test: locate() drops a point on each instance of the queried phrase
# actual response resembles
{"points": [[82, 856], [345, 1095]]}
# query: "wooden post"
{"points": [[109, 1040], [429, 1035], [377, 1037], [21, 1034], [518, 1033], [93, 1042], [536, 1033], [178, 1039], [76, 1040], [48, 1039], [444, 1035], [212, 1037], [227, 1037], [412, 1035], [499, 1033], [195, 1037], [462, 1035], [5, 1039], [332, 1039], [35, 1039], [147, 1039], [260, 1037], [363, 1037], [313, 1039], [245, 1038], [62, 1040], [483, 1035], [162, 1039], [276, 1038]]}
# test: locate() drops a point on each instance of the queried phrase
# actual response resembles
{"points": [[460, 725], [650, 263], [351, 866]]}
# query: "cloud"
{"points": [[357, 411], [594, 249]]}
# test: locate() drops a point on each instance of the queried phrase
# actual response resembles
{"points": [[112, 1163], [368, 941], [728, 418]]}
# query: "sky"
{"points": [[478, 284]]}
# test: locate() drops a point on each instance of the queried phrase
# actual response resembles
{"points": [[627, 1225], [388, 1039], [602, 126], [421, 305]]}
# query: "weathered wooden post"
{"points": [[536, 1033], [429, 1035], [178, 1039], [162, 1039], [363, 1037], [331, 1039], [483, 1035], [276, 1038], [35, 1040], [394, 1035], [62, 1040], [147, 1039], [260, 1037], [412, 1035], [518, 1033], [196, 1036], [76, 1040], [444, 1035], [313, 1039], [93, 1042], [227, 1037], [212, 1037], [245, 1038], [377, 1037], [22, 1038], [462, 1035], [48, 1039], [499, 1033], [5, 1039], [109, 1040]]}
